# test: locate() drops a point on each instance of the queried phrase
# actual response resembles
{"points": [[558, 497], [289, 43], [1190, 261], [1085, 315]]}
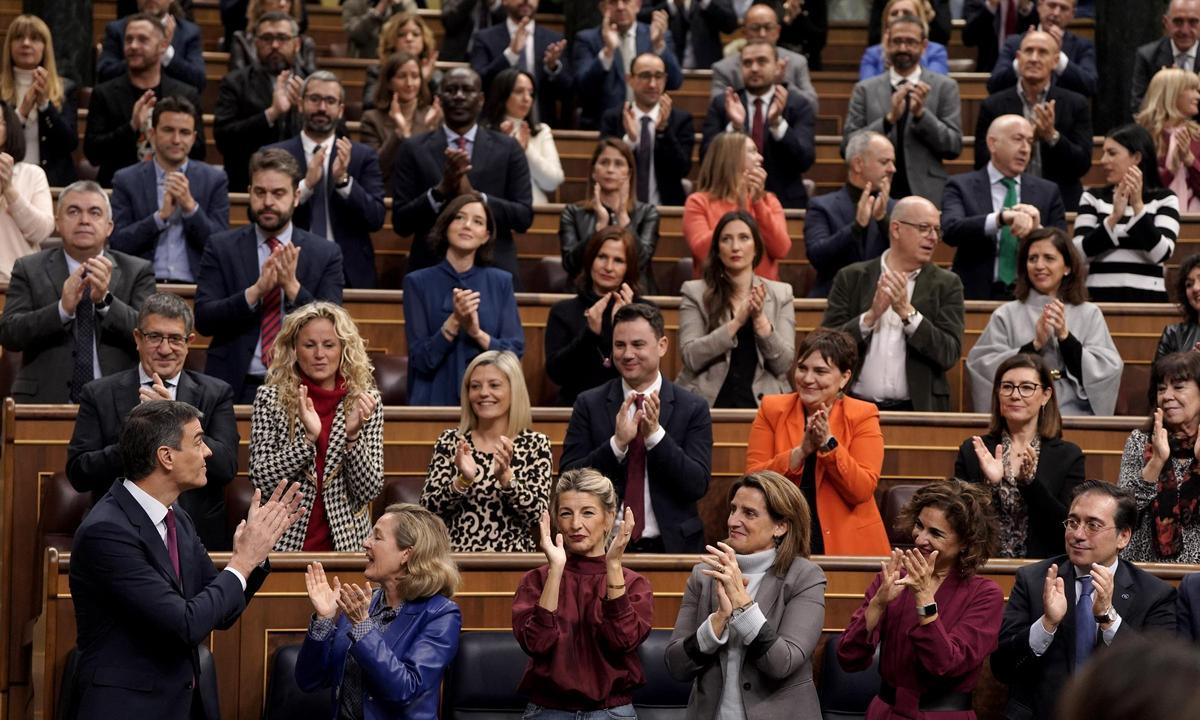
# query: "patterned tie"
{"points": [[756, 129], [1181, 61], [320, 198], [635, 476], [1008, 241], [173, 543], [271, 315], [461, 142], [84, 370], [1085, 622], [645, 153]]}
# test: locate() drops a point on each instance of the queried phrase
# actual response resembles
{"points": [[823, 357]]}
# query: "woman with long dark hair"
{"points": [[511, 108]]}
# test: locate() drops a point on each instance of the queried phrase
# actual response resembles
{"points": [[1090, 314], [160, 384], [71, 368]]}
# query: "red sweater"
{"points": [[584, 656]]}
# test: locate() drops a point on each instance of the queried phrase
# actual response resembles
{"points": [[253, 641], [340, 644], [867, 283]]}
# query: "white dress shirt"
{"points": [[1189, 61], [649, 522], [310, 149], [776, 132], [1039, 639], [883, 375], [527, 51], [171, 383]]}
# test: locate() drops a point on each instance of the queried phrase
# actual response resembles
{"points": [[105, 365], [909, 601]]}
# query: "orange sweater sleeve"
{"points": [[772, 224], [760, 450], [697, 229]]}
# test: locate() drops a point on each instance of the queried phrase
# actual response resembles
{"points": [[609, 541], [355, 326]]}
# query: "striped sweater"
{"points": [[1126, 262]]}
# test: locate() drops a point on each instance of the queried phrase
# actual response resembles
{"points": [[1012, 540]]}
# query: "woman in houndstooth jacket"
{"points": [[317, 421]]}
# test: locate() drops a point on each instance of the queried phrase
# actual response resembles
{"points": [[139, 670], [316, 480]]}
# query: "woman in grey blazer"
{"points": [[753, 610], [737, 330]]}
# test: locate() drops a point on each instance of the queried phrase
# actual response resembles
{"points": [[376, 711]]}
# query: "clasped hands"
{"points": [[92, 277], [502, 456], [1021, 219], [890, 292], [631, 423], [465, 318], [327, 600], [918, 575], [279, 271], [1052, 322], [749, 308]]}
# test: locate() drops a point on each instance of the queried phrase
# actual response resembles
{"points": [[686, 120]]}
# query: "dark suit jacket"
{"points": [[1080, 76], [135, 206], [672, 149], [981, 31], [498, 168], [58, 137], [31, 325], [832, 241], [599, 89], [935, 346], [1048, 497], [678, 466], [487, 57], [1143, 601], [354, 218], [1065, 163], [462, 20], [965, 208], [784, 160], [700, 29], [1149, 59], [138, 625], [186, 66], [1187, 609], [229, 266], [240, 125], [94, 460]]}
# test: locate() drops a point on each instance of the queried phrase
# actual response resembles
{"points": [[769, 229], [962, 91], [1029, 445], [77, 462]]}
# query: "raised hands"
{"points": [[284, 95], [658, 30], [1160, 448], [502, 462], [157, 391], [309, 419], [775, 109], [735, 111], [890, 586], [665, 104], [454, 173], [919, 574], [341, 161], [36, 95], [872, 206], [517, 44], [609, 34], [316, 168], [139, 120], [1043, 120], [361, 410], [616, 549], [723, 568], [556, 555], [264, 525], [553, 55], [1054, 599], [991, 465], [355, 601], [324, 597]]}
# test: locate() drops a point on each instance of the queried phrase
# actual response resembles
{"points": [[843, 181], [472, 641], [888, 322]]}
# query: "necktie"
{"points": [[271, 316], [635, 476], [756, 129], [84, 369], [645, 153], [1085, 622], [173, 542], [461, 142], [1008, 25], [1008, 241], [320, 199], [522, 57], [1181, 61]]}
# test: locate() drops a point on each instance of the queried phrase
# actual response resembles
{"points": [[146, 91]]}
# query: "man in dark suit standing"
{"points": [[146, 593], [164, 329], [341, 195], [71, 311], [1177, 48], [696, 28], [989, 211], [1061, 120], [1063, 610], [905, 313], [183, 60], [1073, 60], [762, 22], [251, 277], [438, 166], [520, 42], [165, 210], [780, 122], [652, 438], [659, 136], [990, 22]]}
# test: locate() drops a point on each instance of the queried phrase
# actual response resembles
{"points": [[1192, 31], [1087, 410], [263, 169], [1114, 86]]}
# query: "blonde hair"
{"points": [[1160, 109], [391, 31], [254, 10], [721, 172], [585, 480], [520, 416], [354, 365], [430, 569], [21, 27], [924, 10]]}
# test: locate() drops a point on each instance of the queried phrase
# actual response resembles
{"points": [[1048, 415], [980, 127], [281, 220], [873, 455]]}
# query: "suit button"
{"points": [[190, 685], [746, 686]]}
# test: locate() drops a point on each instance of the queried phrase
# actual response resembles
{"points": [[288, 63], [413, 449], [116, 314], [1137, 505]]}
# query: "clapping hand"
{"points": [[341, 161], [735, 111], [664, 112], [1054, 599], [1160, 439], [616, 550], [724, 569], [466, 309], [649, 412], [758, 300], [464, 460], [916, 99], [324, 597], [502, 462], [919, 574], [778, 102], [816, 431], [99, 273], [517, 44], [360, 411], [658, 30], [553, 54], [609, 35], [139, 119], [991, 465], [1043, 120], [1056, 318], [355, 601], [309, 419], [556, 556], [264, 525], [157, 391], [890, 585], [628, 421]]}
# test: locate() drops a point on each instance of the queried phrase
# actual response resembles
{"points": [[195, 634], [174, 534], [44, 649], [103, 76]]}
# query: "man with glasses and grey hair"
{"points": [[164, 329], [762, 23], [71, 310]]}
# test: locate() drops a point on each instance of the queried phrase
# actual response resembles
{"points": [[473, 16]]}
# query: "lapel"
{"points": [[114, 279], [435, 149], [983, 190], [793, 425], [480, 154], [1066, 571], [866, 290], [188, 390], [1165, 55], [612, 401], [666, 400], [1124, 591], [148, 534], [149, 184], [882, 92], [768, 592], [247, 249], [1027, 190], [641, 42], [126, 398], [923, 288], [56, 271]]}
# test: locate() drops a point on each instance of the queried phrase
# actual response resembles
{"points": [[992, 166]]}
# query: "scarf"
{"points": [[1178, 495], [325, 402], [1011, 506]]}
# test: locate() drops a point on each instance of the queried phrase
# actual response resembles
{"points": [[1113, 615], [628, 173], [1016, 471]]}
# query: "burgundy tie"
{"points": [[1009, 24], [271, 316], [756, 129], [461, 142], [635, 476], [173, 542]]}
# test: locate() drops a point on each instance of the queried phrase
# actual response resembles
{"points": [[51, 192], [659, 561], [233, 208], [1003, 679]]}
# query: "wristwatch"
{"points": [[829, 446], [907, 319], [1104, 619], [104, 302], [927, 610], [739, 610]]}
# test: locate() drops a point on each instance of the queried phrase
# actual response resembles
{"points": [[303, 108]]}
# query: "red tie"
{"points": [[1009, 25], [461, 142], [635, 476], [271, 316], [756, 128], [173, 542]]}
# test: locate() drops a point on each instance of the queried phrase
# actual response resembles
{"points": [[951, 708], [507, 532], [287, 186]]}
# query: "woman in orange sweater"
{"points": [[732, 178], [830, 445]]}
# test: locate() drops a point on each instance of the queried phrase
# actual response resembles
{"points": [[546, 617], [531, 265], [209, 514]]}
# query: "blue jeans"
{"points": [[620, 712]]}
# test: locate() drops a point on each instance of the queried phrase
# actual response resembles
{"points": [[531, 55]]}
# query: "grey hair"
{"points": [[860, 142], [86, 186], [323, 76], [168, 305]]}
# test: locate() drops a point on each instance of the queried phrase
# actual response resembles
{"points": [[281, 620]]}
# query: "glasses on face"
{"points": [[761, 28], [273, 39], [647, 76], [1090, 527], [924, 228], [155, 339], [331, 100], [905, 42], [1025, 390]]}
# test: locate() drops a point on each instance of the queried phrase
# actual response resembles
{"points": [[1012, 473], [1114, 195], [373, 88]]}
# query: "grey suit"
{"points": [[31, 324], [776, 674], [934, 137], [728, 73], [705, 354]]}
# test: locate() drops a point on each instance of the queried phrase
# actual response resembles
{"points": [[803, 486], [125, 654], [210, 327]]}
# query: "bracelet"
{"points": [[616, 587]]}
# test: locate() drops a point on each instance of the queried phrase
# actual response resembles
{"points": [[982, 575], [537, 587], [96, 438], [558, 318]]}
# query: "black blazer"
{"points": [[598, 89], [240, 125], [678, 466], [700, 29], [1065, 163], [498, 168], [1149, 59], [94, 459], [965, 208], [578, 359], [186, 66], [1187, 609], [981, 31], [832, 241], [1060, 469], [1143, 601], [1080, 76], [138, 625], [577, 225], [353, 219], [672, 150], [228, 267], [784, 160], [58, 137], [487, 58]]}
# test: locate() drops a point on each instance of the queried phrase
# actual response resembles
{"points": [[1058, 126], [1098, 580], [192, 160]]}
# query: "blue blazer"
{"points": [[1080, 76], [599, 89], [187, 65], [487, 57], [135, 205], [138, 625], [1187, 608], [965, 208], [401, 667], [830, 240], [934, 58], [354, 218], [229, 266], [678, 466]]}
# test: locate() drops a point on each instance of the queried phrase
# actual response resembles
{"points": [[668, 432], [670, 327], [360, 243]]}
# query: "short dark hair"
{"points": [[276, 16], [835, 347], [168, 305], [1126, 515], [752, 43], [14, 136], [910, 20], [439, 235], [968, 509], [639, 56], [1073, 289], [1181, 279], [1049, 418], [643, 311], [276, 159], [149, 426], [172, 104], [592, 249], [1152, 675], [1173, 367], [146, 17], [1136, 139]]}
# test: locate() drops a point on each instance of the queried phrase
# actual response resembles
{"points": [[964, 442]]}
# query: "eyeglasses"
{"points": [[905, 42], [924, 228], [1025, 390], [155, 339], [331, 100], [647, 76], [281, 38], [757, 28], [1091, 527]]}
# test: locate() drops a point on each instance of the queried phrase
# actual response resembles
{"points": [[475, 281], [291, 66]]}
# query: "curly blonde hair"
{"points": [[1160, 109], [354, 365]]}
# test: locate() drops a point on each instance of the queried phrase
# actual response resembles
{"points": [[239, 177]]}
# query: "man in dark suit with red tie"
{"points": [[521, 42]]}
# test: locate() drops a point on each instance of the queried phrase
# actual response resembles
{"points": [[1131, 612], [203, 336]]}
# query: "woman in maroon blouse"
{"points": [[581, 617], [935, 618]]}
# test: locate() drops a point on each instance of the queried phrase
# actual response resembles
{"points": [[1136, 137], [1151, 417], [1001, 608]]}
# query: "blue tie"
{"points": [[1085, 622]]}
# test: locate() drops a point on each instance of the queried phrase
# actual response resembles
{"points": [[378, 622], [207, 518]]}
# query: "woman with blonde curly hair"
{"points": [[317, 421], [489, 478], [1171, 103], [44, 101], [404, 32]]}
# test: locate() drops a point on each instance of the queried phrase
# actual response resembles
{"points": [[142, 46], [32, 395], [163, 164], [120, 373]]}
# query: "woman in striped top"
{"points": [[1127, 229]]}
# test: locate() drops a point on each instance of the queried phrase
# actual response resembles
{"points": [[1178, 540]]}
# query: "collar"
{"points": [[156, 511], [1025, 97], [994, 175], [512, 27], [284, 236], [638, 113], [894, 77], [587, 565], [1080, 572], [160, 173], [72, 263], [310, 146], [143, 378], [766, 97], [756, 563], [655, 387], [912, 276], [451, 136], [448, 268], [1175, 51]]}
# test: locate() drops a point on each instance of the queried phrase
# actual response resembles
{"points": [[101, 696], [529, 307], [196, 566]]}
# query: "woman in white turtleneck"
{"points": [[511, 108], [44, 102], [26, 210], [753, 610]]}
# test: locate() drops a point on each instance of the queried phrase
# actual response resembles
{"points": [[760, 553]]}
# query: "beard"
{"points": [[903, 60], [283, 218]]}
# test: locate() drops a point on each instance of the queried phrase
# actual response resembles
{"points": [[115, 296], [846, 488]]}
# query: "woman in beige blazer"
{"points": [[402, 109], [737, 331]]}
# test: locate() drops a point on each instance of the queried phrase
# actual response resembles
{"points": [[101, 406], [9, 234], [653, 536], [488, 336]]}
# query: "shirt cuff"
{"points": [[159, 222], [344, 192], [1039, 639], [239, 576], [437, 206], [749, 623], [320, 628], [991, 225], [707, 640], [1063, 61], [631, 143], [913, 324], [606, 62], [780, 130], [655, 438], [1111, 632], [168, 56], [863, 328], [612, 443], [305, 191], [360, 629], [195, 209], [62, 314], [511, 56]]}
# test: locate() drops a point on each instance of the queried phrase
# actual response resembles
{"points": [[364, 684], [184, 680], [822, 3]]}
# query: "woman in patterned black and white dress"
{"points": [[489, 478]]}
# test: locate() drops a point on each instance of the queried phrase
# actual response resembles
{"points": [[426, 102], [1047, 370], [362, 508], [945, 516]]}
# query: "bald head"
{"points": [[913, 207], [1036, 58], [1181, 23], [1010, 143], [914, 232]]}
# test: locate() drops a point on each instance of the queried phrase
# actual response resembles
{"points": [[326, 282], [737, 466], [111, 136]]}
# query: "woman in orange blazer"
{"points": [[830, 445]]}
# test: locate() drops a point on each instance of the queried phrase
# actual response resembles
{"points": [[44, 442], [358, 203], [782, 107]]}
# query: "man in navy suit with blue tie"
{"points": [[341, 195], [520, 42], [165, 210]]}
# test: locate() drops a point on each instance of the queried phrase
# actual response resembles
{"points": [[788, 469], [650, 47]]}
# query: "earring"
{"points": [[778, 540]]}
